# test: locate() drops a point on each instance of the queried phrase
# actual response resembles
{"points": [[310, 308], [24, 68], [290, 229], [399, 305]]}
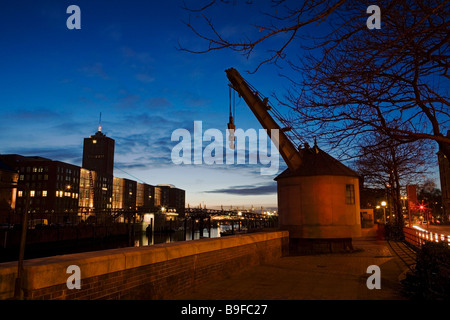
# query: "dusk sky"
{"points": [[124, 63]]}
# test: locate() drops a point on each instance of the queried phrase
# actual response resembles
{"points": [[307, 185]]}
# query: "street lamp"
{"points": [[383, 204]]}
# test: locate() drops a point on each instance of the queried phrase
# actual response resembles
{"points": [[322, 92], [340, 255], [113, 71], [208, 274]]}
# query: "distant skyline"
{"points": [[124, 63]]}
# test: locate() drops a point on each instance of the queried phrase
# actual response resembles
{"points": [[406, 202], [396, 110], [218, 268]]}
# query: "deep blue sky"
{"points": [[125, 64]]}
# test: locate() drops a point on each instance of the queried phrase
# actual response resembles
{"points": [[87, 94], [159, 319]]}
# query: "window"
{"points": [[34, 169], [20, 193], [32, 193], [22, 177], [350, 194], [44, 193]]}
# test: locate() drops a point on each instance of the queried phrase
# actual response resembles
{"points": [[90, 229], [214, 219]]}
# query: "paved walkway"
{"points": [[316, 277]]}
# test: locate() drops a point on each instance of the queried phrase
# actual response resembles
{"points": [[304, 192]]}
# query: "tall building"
{"points": [[98, 153], [98, 158]]}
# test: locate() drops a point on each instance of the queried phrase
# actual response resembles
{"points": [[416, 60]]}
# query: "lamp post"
{"points": [[407, 209], [18, 294], [383, 204]]}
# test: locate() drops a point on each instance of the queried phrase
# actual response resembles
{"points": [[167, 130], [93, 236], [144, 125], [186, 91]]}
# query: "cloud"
{"points": [[95, 70], [37, 114], [129, 101], [158, 102], [70, 154], [248, 190], [144, 77]]}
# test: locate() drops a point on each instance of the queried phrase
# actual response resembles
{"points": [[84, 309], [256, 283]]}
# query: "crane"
{"points": [[260, 109]]}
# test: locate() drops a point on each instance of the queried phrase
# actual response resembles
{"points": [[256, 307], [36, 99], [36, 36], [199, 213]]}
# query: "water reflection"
{"points": [[144, 239]]}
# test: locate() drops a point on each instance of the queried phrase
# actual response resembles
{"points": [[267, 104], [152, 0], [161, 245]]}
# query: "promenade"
{"points": [[317, 277]]}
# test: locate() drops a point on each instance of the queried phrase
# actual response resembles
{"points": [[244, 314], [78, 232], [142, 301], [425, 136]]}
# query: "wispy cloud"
{"points": [[248, 190], [36, 114], [69, 154], [95, 70], [158, 102]]}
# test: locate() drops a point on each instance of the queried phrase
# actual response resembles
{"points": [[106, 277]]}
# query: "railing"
{"points": [[418, 236]]}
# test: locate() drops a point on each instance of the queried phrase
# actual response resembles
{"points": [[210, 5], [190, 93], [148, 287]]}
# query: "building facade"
{"points": [[53, 187], [98, 154], [444, 175], [8, 193], [61, 192]]}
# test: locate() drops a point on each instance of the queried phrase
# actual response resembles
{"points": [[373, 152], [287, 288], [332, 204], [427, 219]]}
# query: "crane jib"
{"points": [[260, 109]]}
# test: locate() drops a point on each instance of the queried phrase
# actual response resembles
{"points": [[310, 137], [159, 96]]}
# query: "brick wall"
{"points": [[153, 272]]}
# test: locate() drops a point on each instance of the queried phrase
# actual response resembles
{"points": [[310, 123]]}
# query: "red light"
{"points": [[421, 207]]}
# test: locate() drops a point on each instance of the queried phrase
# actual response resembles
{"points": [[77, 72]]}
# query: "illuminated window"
{"points": [[34, 169], [44, 193], [94, 141], [19, 193], [22, 177], [350, 194], [32, 193]]}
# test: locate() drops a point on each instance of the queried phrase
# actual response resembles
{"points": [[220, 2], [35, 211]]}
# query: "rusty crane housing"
{"points": [[318, 196]]}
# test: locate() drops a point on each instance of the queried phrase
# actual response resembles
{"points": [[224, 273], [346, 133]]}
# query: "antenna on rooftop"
{"points": [[100, 123]]}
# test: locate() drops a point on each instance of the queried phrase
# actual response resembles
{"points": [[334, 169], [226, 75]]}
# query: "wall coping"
{"points": [[50, 271]]}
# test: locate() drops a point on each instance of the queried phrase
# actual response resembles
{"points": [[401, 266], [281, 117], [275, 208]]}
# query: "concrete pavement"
{"points": [[315, 277]]}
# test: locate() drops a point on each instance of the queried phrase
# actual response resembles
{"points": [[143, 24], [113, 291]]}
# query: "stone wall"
{"points": [[152, 272]]}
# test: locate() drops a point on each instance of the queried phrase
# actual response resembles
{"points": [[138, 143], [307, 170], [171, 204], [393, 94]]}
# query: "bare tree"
{"points": [[388, 164], [350, 81]]}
